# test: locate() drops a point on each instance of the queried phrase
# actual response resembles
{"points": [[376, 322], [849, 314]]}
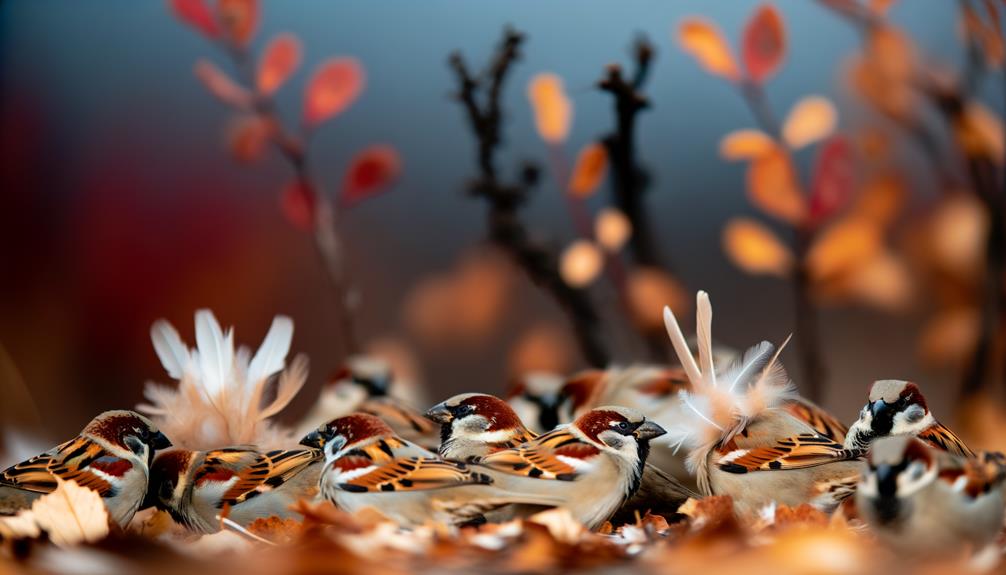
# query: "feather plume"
{"points": [[681, 347], [704, 333], [220, 393]]}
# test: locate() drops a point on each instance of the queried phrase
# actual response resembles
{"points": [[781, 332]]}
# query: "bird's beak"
{"points": [[159, 441], [649, 430], [887, 481], [882, 418], [314, 439], [439, 413]]}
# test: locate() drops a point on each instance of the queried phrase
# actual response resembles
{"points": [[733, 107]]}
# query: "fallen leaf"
{"points": [[238, 19], [773, 188], [755, 249], [220, 85], [71, 514], [589, 170], [297, 202], [333, 88], [370, 173], [704, 41], [813, 118], [746, 145], [195, 13], [580, 264], [280, 59], [612, 229], [560, 525], [764, 45], [833, 181], [553, 111]]}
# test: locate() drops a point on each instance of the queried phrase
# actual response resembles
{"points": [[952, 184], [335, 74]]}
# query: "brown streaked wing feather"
{"points": [[823, 422], [797, 452], [414, 474], [67, 461], [538, 458], [942, 438], [269, 471]]}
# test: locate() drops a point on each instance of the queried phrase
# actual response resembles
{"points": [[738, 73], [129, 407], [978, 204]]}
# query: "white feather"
{"points": [[271, 355], [170, 348], [681, 347], [755, 359], [704, 333], [216, 353]]}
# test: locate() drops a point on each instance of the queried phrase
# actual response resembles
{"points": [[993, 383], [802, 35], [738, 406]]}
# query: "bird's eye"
{"points": [[623, 426]]}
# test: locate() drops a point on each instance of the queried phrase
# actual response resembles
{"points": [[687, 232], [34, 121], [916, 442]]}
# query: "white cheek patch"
{"points": [[904, 427], [868, 485], [908, 487]]}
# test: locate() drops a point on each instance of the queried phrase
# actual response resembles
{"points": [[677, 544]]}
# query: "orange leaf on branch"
{"points": [[280, 59], [590, 168], [746, 145], [764, 45], [238, 19], [298, 203], [248, 138], [833, 182], [773, 188], [704, 41], [370, 173], [553, 111], [332, 89], [755, 249], [813, 118], [220, 85], [195, 13]]}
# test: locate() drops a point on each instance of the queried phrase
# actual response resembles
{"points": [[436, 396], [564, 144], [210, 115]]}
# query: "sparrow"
{"points": [[925, 501], [535, 397], [742, 441], [368, 465], [365, 384], [111, 455], [898, 408], [475, 425], [242, 483], [593, 465]]}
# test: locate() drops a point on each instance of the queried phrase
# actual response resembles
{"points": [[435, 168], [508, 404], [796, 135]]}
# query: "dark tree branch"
{"points": [[506, 229]]}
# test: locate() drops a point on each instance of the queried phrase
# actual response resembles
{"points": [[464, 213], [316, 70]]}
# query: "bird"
{"points": [[243, 483], [366, 384], [924, 501], [475, 425], [111, 456], [593, 465], [535, 397], [742, 441], [368, 465], [897, 407]]}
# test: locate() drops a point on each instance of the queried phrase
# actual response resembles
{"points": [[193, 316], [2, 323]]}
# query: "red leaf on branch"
{"points": [[832, 183], [279, 60], [195, 13], [298, 202], [371, 172], [764, 43], [333, 88], [220, 85], [239, 19]]}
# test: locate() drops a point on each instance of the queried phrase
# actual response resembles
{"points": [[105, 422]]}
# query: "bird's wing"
{"points": [[977, 475], [823, 422], [797, 452], [255, 472], [81, 460], [549, 456], [410, 474], [400, 416], [942, 438]]}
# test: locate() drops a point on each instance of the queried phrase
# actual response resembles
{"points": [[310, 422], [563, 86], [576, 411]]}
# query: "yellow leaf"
{"points": [[591, 165], [844, 246], [612, 229], [745, 145], [773, 188], [581, 263], [755, 249], [704, 41], [811, 119], [553, 111]]}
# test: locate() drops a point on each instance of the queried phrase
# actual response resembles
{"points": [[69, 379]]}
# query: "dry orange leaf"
{"points": [[649, 290], [813, 118], [333, 88], [220, 85], [581, 262], [882, 281], [881, 200], [704, 41], [746, 145], [590, 168], [848, 243], [553, 111], [764, 43], [239, 19], [980, 132], [280, 59], [756, 249], [958, 232], [612, 229], [773, 188]]}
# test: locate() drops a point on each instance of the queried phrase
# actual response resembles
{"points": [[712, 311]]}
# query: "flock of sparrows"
{"points": [[598, 443]]}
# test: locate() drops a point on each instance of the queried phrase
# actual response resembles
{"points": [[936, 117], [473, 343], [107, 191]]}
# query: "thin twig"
{"points": [[505, 227]]}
